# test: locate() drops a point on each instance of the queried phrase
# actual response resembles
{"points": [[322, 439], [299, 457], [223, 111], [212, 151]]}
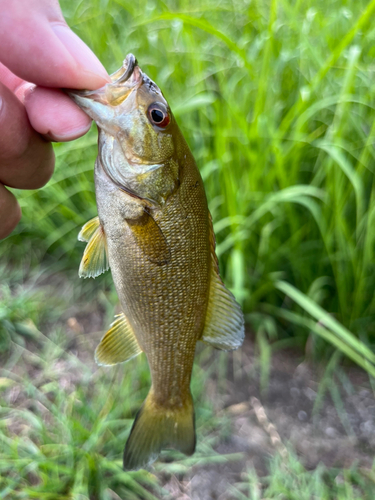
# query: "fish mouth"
{"points": [[123, 82], [125, 72]]}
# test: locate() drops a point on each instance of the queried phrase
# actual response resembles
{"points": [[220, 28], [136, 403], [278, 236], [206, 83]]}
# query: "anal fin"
{"points": [[224, 327], [95, 258], [118, 345]]}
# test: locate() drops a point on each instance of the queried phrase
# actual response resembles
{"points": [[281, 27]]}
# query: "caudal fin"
{"points": [[156, 428]]}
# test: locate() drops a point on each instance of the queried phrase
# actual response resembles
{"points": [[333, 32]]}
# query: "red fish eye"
{"points": [[159, 117]]}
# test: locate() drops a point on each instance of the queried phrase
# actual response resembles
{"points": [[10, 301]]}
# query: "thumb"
{"points": [[37, 45]]}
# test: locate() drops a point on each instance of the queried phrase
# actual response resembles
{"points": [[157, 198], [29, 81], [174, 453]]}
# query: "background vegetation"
{"points": [[275, 99]]}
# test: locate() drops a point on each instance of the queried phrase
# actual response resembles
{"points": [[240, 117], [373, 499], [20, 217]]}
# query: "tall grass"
{"points": [[275, 99]]}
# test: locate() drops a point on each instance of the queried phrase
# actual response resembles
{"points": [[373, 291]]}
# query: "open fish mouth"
{"points": [[124, 81], [125, 72]]}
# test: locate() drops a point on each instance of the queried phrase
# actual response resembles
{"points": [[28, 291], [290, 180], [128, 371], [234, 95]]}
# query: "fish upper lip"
{"points": [[118, 79]]}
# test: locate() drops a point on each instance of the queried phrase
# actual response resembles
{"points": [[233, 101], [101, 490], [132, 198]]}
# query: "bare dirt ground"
{"points": [[284, 418]]}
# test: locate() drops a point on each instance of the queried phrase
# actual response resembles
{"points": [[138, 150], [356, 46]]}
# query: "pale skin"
{"points": [[39, 55]]}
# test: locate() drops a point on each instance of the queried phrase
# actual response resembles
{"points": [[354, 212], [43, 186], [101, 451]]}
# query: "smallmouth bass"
{"points": [[154, 232]]}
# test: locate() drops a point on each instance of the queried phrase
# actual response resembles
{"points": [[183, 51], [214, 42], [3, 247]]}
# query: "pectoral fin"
{"points": [[89, 229], [119, 344], [224, 326], [150, 238], [95, 259]]}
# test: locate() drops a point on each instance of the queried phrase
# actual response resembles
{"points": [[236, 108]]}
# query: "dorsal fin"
{"points": [[119, 344], [224, 326], [95, 259]]}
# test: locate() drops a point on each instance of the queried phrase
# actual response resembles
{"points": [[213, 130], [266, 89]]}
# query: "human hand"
{"points": [[37, 46]]}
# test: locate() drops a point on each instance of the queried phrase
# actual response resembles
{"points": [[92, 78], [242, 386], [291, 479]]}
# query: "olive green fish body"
{"points": [[165, 302], [155, 232]]}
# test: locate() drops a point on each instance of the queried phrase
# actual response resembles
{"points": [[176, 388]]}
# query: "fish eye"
{"points": [[158, 115]]}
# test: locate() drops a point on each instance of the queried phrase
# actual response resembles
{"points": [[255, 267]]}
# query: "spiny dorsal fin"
{"points": [[150, 238], [119, 344], [224, 326], [95, 258], [89, 229]]}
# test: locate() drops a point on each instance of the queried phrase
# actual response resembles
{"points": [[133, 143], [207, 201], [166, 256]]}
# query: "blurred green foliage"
{"points": [[64, 422], [275, 99], [289, 480], [22, 307]]}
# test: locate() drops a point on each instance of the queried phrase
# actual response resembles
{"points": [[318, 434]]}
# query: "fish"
{"points": [[155, 233]]}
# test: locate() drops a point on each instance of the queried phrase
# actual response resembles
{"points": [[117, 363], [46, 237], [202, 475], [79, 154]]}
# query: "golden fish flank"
{"points": [[155, 233]]}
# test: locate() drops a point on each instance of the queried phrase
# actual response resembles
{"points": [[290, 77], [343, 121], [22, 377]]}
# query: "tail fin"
{"points": [[156, 428]]}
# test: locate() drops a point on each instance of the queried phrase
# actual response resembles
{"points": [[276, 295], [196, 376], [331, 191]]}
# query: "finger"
{"points": [[10, 80], [53, 114], [26, 159], [37, 45], [10, 212]]}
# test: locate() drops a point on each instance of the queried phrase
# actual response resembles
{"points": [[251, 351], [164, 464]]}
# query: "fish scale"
{"points": [[167, 302], [175, 291], [155, 233]]}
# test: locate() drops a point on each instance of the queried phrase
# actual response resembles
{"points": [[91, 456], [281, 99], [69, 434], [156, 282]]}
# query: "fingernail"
{"points": [[81, 53], [23, 90]]}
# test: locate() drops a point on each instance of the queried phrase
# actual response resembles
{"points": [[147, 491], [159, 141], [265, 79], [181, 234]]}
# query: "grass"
{"points": [[290, 480], [64, 421], [275, 99]]}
